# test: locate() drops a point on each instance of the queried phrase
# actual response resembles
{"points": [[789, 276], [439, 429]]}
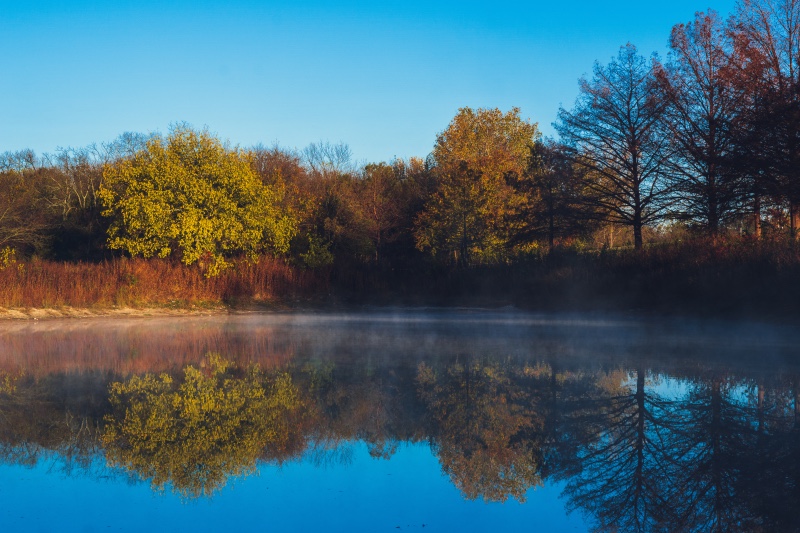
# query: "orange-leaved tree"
{"points": [[467, 220]]}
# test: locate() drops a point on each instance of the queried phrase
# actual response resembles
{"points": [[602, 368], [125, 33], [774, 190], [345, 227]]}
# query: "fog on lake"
{"points": [[448, 420]]}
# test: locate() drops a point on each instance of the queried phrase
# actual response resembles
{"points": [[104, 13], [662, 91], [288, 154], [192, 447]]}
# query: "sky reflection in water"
{"points": [[386, 420], [365, 495]]}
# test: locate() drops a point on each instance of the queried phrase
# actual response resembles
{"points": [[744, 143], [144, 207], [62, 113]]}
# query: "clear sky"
{"points": [[384, 77]]}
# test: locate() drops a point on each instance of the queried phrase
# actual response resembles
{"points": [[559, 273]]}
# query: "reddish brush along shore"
{"points": [[737, 276], [153, 282]]}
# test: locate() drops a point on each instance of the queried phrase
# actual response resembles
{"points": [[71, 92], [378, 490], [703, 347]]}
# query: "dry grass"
{"points": [[151, 283], [735, 276]]}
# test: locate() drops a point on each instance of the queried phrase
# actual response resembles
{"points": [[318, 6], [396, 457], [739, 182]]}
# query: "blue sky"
{"points": [[384, 77]]}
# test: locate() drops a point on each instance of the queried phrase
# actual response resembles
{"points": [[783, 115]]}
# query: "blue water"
{"points": [[406, 492]]}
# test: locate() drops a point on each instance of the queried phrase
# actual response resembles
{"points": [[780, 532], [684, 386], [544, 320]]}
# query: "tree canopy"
{"points": [[467, 218], [192, 196], [196, 434]]}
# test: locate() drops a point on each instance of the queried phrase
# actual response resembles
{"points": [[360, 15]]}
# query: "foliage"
{"points": [[467, 218], [196, 434], [552, 207], [487, 140], [8, 257], [190, 195], [24, 216], [481, 417], [767, 34], [460, 221], [379, 195]]}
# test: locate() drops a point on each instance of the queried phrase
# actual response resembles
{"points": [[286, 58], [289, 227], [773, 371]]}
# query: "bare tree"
{"points": [[19, 161], [613, 134], [769, 34], [552, 208], [327, 160], [277, 163], [698, 84]]}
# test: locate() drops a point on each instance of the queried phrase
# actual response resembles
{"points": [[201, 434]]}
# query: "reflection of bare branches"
{"points": [[622, 475], [710, 433], [36, 427], [328, 453]]}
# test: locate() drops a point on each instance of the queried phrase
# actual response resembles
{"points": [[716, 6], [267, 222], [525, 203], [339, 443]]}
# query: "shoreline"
{"points": [[31, 314], [47, 313]]}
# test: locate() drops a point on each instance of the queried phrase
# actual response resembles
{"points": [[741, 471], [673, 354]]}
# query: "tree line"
{"points": [[706, 143]]}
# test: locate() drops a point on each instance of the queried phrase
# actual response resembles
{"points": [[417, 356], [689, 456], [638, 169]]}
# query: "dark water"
{"points": [[382, 421]]}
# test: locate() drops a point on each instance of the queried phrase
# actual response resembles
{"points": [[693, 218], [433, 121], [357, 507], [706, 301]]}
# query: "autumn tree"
{"points": [[613, 134], [703, 103], [192, 196], [379, 198], [467, 218], [275, 163], [769, 33], [23, 210], [406, 192]]}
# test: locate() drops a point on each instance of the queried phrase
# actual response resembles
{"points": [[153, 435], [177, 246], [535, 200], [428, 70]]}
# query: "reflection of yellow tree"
{"points": [[484, 426], [196, 434]]}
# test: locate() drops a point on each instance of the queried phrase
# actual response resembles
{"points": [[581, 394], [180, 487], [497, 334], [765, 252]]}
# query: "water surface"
{"points": [[439, 421]]}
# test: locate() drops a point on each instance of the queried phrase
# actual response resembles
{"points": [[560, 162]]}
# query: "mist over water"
{"points": [[454, 419]]}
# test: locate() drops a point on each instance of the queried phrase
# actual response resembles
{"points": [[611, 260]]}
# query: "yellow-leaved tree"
{"points": [[192, 196], [196, 434], [467, 220]]}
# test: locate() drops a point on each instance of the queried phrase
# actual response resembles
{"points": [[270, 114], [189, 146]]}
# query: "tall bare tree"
{"points": [[698, 84], [769, 34], [613, 133]]}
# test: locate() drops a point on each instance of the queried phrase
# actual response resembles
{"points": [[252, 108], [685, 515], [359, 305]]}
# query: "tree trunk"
{"points": [[637, 221], [641, 436], [757, 216], [637, 235], [794, 215], [713, 213]]}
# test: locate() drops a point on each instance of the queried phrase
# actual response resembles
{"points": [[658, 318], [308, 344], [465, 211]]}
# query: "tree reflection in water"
{"points": [[483, 420], [196, 434], [689, 446], [621, 473]]}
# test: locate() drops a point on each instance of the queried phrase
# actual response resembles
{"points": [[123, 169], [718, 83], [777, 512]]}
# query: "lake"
{"points": [[387, 420]]}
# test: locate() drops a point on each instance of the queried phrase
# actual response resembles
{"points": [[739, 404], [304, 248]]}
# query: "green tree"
{"points": [[191, 195], [476, 157]]}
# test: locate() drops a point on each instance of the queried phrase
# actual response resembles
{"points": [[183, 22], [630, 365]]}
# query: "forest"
{"points": [[672, 184]]}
